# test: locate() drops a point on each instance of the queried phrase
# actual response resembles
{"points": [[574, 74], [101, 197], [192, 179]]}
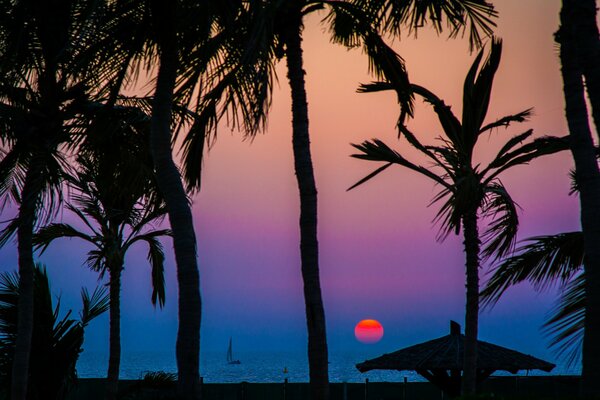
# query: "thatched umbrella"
{"points": [[440, 361]]}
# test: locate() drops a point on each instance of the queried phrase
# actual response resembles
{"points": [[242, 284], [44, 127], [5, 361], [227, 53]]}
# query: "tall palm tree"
{"points": [[57, 342], [470, 191], [187, 40], [274, 30], [579, 55], [45, 76], [180, 214], [115, 196]]}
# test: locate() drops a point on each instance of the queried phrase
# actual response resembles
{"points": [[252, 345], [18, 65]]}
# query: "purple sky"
{"points": [[379, 256]]}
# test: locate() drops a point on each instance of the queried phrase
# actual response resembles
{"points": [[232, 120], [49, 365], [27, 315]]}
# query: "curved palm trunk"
{"points": [[114, 358], [471, 243], [27, 212], [588, 181], [309, 247], [180, 214]]}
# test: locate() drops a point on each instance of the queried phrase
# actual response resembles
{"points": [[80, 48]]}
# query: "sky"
{"points": [[379, 257]]}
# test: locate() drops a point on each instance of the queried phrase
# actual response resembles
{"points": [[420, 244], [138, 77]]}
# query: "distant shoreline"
{"points": [[551, 386]]}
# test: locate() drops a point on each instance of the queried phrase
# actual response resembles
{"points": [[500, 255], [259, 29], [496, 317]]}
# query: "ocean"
{"points": [[257, 367]]}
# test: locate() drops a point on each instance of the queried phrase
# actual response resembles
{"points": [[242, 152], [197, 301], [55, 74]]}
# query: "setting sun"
{"points": [[368, 331]]}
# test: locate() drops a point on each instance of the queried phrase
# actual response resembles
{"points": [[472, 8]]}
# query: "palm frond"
{"points": [[430, 151], [94, 305], [89, 210], [9, 231], [507, 120], [510, 144], [450, 123], [12, 177], [96, 260], [156, 257], [524, 154], [193, 146], [477, 92], [374, 87], [346, 22], [47, 234], [501, 234], [565, 325], [376, 150], [449, 216], [543, 261], [371, 175], [476, 17], [351, 24], [384, 62]]}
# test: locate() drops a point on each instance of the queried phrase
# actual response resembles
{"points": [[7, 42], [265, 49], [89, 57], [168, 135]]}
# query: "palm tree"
{"points": [[470, 191], [46, 74], [56, 342], [116, 199], [180, 214], [579, 52], [188, 41], [545, 261], [273, 30]]}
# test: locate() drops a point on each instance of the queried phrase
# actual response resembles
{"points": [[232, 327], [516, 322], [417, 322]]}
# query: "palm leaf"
{"points": [[507, 120], [349, 22], [460, 16], [449, 216], [510, 144], [371, 175], [94, 305], [374, 87], [477, 92], [543, 260], [500, 236], [450, 124], [376, 150], [156, 257], [539, 147], [566, 322], [45, 235]]}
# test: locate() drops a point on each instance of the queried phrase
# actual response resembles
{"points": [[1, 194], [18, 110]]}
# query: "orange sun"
{"points": [[368, 331]]}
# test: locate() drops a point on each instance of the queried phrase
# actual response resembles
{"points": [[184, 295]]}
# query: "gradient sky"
{"points": [[379, 257]]}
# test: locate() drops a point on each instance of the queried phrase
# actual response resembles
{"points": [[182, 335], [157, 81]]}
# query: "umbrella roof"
{"points": [[447, 353]]}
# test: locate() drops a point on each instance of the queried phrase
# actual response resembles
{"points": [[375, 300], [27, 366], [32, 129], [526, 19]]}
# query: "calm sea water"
{"points": [[254, 367]]}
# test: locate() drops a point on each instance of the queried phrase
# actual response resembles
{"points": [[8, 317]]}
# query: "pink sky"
{"points": [[379, 257]]}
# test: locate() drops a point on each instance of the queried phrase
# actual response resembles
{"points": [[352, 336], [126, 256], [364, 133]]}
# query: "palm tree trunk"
{"points": [[114, 359], [589, 40], [309, 247], [588, 181], [27, 211], [180, 214], [471, 243]]}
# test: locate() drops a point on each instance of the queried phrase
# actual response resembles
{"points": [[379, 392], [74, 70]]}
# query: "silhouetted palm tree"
{"points": [[470, 191], [187, 40], [47, 72], [180, 213], [115, 196], [579, 57], [56, 342]]}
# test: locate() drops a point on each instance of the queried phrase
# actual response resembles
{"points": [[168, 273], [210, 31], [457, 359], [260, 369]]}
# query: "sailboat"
{"points": [[230, 359]]}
